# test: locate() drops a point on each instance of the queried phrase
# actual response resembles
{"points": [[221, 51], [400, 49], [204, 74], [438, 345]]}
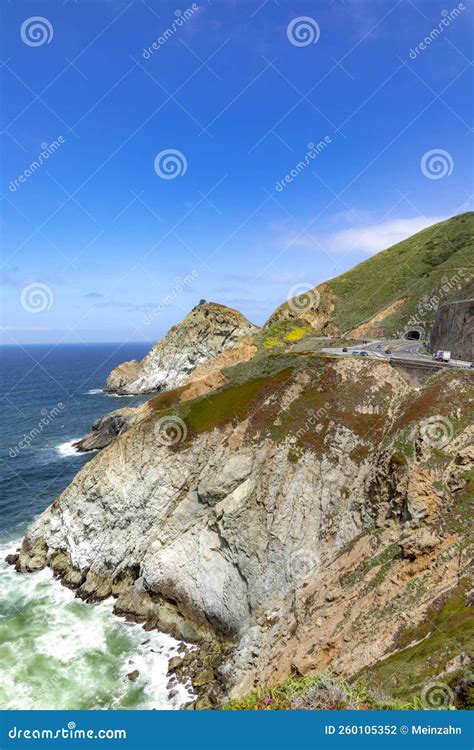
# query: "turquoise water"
{"points": [[55, 650], [59, 652]]}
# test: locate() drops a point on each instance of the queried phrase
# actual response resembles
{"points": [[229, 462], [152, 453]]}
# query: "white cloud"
{"points": [[372, 238]]}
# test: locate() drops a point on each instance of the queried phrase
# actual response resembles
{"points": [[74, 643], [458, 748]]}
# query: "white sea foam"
{"points": [[120, 395], [60, 653], [68, 448]]}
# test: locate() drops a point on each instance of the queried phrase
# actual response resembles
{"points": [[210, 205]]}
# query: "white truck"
{"points": [[442, 356]]}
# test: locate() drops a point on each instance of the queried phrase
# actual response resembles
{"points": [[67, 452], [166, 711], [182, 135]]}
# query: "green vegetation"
{"points": [[417, 268], [313, 693], [383, 559], [422, 652], [402, 284], [234, 403]]}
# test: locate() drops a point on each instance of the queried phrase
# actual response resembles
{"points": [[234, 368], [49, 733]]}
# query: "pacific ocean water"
{"points": [[57, 652]]}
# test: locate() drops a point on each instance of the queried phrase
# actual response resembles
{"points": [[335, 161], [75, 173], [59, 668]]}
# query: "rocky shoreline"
{"points": [[201, 655]]}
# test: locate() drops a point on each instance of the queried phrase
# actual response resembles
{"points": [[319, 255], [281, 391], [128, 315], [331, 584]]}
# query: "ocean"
{"points": [[57, 652]]}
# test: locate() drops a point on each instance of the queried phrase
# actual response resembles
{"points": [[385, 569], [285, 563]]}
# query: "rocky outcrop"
{"points": [[121, 375], [107, 428], [204, 379], [206, 332], [453, 330], [313, 307], [263, 518]]}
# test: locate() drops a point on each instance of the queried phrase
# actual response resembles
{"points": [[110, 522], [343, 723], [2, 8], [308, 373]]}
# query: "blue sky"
{"points": [[94, 239]]}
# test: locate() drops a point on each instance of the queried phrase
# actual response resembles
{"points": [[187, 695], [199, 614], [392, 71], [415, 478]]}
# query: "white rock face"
{"points": [[219, 530], [207, 331]]}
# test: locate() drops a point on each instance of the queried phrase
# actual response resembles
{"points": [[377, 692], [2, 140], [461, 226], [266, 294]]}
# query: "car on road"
{"points": [[388, 351], [379, 346], [344, 348], [364, 354]]}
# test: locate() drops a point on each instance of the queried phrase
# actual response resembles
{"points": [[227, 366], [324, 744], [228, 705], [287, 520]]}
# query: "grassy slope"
{"points": [[415, 270], [313, 693], [422, 652]]}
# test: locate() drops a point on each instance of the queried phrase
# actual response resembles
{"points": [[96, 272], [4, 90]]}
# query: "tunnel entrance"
{"points": [[414, 333]]}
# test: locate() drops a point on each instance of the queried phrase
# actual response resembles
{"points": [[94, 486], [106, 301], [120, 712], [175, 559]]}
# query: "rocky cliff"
{"points": [[206, 332], [306, 514], [453, 329]]}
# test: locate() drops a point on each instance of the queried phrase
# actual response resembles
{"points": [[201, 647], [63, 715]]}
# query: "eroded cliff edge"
{"points": [[301, 516]]}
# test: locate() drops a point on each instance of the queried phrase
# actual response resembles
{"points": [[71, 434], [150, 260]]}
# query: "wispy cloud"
{"points": [[372, 238], [362, 234]]}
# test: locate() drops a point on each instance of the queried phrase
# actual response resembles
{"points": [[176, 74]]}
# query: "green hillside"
{"points": [[401, 285]]}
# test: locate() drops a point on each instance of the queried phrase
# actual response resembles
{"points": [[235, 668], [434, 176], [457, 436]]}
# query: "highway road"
{"points": [[402, 349]]}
